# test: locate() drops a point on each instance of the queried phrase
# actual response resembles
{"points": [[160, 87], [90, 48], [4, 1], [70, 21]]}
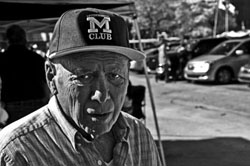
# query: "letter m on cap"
{"points": [[94, 22]]}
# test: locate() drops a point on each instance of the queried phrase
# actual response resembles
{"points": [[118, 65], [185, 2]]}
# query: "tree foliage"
{"points": [[179, 18]]}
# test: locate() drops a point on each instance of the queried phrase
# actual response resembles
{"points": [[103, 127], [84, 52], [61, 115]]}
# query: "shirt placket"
{"points": [[120, 154], [88, 152]]}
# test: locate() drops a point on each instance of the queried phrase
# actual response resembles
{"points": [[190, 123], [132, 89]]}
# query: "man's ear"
{"points": [[50, 71]]}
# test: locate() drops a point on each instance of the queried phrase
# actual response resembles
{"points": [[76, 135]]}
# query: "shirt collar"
{"points": [[120, 129], [60, 119]]}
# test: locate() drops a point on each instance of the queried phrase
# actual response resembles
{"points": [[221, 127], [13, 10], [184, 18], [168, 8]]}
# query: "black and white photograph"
{"points": [[124, 83]]}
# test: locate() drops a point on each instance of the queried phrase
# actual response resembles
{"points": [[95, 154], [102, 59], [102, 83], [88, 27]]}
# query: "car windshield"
{"points": [[224, 48]]}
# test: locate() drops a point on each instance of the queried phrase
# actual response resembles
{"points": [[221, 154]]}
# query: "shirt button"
{"points": [[99, 162], [78, 137]]}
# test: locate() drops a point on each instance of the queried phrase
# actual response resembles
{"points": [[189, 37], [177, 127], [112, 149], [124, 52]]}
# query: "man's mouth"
{"points": [[97, 116]]}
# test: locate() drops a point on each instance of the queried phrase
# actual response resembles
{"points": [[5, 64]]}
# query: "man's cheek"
{"points": [[120, 99]]}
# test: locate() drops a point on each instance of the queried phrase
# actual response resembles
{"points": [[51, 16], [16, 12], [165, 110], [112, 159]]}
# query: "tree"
{"points": [[152, 16], [179, 18]]}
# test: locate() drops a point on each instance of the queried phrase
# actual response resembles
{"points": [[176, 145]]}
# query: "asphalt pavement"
{"points": [[200, 125]]}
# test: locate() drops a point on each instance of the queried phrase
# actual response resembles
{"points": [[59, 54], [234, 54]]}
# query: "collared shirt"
{"points": [[46, 138]]}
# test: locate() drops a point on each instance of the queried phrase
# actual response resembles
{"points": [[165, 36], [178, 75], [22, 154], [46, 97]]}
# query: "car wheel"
{"points": [[223, 76]]}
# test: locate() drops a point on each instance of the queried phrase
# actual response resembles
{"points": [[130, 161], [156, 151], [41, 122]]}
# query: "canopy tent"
{"points": [[37, 16], [33, 9]]}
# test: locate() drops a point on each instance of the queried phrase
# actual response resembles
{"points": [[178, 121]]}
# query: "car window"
{"points": [[245, 47], [224, 48], [204, 46]]}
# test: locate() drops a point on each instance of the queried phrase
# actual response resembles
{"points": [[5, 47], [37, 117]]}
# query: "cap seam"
{"points": [[59, 30], [79, 29]]}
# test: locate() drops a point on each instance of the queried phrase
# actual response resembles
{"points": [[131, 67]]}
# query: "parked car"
{"points": [[221, 64], [202, 46], [181, 54], [244, 74]]}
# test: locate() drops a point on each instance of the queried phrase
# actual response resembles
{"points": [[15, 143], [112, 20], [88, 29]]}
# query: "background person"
{"points": [[23, 77], [87, 72], [163, 60]]}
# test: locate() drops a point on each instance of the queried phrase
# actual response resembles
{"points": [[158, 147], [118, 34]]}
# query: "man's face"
{"points": [[91, 89]]}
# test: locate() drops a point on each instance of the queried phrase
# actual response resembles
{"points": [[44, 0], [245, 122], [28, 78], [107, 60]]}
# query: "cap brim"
{"points": [[130, 53]]}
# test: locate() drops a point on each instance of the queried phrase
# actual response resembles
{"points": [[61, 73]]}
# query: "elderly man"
{"points": [[87, 72]]}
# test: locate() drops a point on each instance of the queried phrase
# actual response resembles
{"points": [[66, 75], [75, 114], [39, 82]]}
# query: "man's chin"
{"points": [[97, 130]]}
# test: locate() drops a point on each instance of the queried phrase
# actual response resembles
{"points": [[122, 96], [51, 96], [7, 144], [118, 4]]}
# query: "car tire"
{"points": [[223, 76]]}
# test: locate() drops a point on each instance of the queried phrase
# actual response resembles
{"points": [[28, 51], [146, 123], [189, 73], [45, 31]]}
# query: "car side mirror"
{"points": [[239, 52]]}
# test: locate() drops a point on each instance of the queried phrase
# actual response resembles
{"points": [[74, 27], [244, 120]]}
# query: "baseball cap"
{"points": [[86, 30]]}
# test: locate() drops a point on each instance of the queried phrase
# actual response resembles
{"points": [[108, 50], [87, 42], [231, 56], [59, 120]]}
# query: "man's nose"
{"points": [[99, 96], [101, 92]]}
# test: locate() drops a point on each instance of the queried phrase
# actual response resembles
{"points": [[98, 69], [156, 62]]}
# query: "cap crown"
{"points": [[80, 28]]}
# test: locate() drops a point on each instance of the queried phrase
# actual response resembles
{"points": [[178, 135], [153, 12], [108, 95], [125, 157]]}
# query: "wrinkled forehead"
{"points": [[88, 59]]}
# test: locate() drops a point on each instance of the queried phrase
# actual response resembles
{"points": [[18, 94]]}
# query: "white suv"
{"points": [[221, 64]]}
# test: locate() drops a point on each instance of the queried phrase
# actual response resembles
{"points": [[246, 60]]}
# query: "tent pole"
{"points": [[226, 15], [150, 92], [216, 18]]}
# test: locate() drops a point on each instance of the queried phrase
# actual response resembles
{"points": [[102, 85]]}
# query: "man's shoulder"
{"points": [[138, 130], [133, 122], [24, 126]]}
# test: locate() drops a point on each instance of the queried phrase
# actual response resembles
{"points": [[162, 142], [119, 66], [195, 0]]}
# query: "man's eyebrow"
{"points": [[81, 70], [113, 67]]}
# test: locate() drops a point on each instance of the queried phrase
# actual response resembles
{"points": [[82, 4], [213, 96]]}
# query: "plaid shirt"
{"points": [[46, 138]]}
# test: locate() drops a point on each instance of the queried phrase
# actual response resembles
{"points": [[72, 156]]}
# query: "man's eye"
{"points": [[115, 78], [86, 78]]}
